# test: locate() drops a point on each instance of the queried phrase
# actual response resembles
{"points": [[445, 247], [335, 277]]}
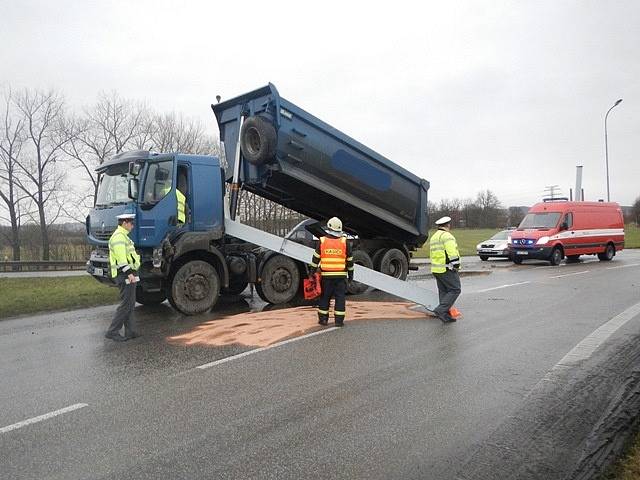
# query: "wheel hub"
{"points": [[281, 280], [196, 287]]}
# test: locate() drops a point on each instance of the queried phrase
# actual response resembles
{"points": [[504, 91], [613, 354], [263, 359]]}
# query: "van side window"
{"points": [[568, 220]]}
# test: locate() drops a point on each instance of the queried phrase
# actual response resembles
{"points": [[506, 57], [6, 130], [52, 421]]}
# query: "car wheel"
{"points": [[556, 256], [608, 254], [517, 260]]}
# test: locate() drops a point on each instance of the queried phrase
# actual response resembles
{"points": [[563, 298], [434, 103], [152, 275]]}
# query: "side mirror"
{"points": [[134, 168], [133, 188]]}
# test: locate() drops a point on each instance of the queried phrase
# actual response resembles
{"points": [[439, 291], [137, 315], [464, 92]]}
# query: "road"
{"points": [[492, 396]]}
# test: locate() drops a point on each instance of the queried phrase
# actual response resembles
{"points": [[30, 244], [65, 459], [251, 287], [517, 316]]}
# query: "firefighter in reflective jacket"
{"points": [[124, 263], [333, 258], [445, 263]]}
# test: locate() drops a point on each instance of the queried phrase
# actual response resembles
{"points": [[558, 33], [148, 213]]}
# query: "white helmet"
{"points": [[335, 224]]}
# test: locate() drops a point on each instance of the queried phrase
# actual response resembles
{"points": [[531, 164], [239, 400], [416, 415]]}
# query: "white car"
{"points": [[497, 246]]}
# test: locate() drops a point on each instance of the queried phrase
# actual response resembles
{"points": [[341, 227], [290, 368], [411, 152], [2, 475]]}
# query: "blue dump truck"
{"points": [[278, 151]]}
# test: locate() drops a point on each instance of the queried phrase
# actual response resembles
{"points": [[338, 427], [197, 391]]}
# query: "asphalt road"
{"points": [[377, 399]]}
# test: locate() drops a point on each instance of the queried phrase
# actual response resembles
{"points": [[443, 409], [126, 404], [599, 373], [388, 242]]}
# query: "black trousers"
{"points": [[124, 312], [335, 287], [448, 291]]}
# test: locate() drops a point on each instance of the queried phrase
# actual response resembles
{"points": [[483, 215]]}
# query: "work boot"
{"points": [[116, 337], [324, 323], [340, 323], [447, 319], [132, 335]]}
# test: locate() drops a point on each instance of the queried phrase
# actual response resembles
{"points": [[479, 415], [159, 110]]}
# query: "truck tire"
{"points": [[258, 140], [556, 256], [376, 257], [608, 254], [279, 280], [394, 263], [360, 257], [194, 287], [149, 298]]}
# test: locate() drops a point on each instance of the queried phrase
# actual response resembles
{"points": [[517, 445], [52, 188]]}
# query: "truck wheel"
{"points": [[360, 257], [556, 256], [194, 287], [394, 263], [608, 254], [279, 280], [376, 257], [258, 140], [149, 298]]}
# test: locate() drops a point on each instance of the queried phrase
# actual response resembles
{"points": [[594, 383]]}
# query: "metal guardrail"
{"points": [[41, 265]]}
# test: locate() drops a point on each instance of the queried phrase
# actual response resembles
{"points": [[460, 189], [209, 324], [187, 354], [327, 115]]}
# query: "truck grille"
{"points": [[101, 235]]}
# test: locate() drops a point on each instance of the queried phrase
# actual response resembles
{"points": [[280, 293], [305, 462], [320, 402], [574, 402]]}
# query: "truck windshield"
{"points": [[544, 220], [114, 185]]}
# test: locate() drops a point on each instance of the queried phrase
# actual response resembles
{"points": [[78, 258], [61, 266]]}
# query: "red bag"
{"points": [[311, 287]]}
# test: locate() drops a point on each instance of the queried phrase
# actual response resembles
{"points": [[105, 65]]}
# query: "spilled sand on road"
{"points": [[262, 329]]}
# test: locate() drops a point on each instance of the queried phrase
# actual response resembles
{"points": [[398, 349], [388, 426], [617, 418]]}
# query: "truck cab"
{"points": [[145, 183]]}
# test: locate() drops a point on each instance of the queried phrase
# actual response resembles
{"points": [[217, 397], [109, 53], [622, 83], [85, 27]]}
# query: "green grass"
{"points": [[468, 238], [631, 236], [20, 296]]}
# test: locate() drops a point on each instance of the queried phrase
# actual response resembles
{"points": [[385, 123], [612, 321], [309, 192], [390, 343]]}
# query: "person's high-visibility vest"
{"points": [[333, 257], [122, 253], [443, 251], [182, 207]]}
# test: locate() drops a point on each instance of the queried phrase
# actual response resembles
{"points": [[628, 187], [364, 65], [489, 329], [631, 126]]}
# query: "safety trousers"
{"points": [[335, 287]]}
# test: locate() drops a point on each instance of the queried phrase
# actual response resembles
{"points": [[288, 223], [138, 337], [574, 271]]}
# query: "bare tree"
{"points": [[11, 141], [40, 179], [109, 127], [174, 133]]}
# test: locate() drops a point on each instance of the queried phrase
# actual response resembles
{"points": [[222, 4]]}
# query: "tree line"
{"points": [[49, 152]]}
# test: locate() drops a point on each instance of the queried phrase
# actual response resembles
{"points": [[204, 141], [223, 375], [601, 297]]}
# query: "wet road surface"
{"points": [[409, 398]]}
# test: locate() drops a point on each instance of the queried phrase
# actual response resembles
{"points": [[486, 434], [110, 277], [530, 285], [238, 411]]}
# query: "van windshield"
{"points": [[543, 221]]}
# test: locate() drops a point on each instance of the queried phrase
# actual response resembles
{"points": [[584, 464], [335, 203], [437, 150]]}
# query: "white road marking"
{"points": [[262, 349], [40, 418], [571, 274], [503, 286], [624, 266], [589, 344]]}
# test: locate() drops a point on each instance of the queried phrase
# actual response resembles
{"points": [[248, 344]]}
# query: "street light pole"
{"points": [[606, 146]]}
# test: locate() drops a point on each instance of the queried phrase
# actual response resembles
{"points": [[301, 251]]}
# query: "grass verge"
{"points": [[468, 238], [19, 296]]}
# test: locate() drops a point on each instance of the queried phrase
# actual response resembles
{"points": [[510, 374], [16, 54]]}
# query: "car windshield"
{"points": [[114, 185], [501, 235], [544, 220]]}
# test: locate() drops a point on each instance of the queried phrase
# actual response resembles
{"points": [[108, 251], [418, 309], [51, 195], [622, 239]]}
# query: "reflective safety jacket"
{"points": [[443, 251], [333, 257], [182, 207], [122, 253]]}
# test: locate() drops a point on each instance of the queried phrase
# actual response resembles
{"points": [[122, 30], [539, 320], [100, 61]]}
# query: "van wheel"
{"points": [[484, 258], [556, 256], [258, 140], [194, 288], [573, 258], [360, 257], [608, 254]]}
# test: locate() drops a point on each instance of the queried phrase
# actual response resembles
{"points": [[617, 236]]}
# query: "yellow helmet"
{"points": [[335, 224]]}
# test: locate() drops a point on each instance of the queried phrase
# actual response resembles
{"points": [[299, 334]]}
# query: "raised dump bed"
{"points": [[299, 161]]}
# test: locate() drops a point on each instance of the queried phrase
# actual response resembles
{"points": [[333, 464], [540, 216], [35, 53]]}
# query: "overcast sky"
{"points": [[508, 96]]}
